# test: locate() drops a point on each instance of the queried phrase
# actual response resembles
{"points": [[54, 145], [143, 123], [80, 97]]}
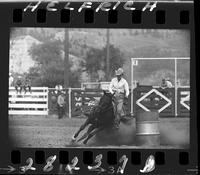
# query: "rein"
{"points": [[107, 109]]}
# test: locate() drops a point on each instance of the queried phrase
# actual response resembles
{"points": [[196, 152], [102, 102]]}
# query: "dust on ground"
{"points": [[50, 132]]}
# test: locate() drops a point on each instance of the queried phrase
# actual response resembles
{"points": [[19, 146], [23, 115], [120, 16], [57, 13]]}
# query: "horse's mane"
{"points": [[105, 101], [104, 105]]}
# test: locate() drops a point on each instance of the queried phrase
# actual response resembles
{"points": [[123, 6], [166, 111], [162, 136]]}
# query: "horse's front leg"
{"points": [[90, 129], [83, 126], [91, 134]]}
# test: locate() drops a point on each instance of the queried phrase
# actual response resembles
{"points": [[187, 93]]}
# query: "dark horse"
{"points": [[100, 118]]}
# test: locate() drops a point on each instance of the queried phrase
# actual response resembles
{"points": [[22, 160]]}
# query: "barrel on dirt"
{"points": [[147, 128]]}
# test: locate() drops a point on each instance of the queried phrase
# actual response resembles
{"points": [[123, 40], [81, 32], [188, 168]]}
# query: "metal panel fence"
{"points": [[183, 106], [147, 98]]}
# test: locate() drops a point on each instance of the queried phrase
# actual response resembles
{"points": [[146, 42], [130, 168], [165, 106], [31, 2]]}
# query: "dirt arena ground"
{"points": [[49, 132]]}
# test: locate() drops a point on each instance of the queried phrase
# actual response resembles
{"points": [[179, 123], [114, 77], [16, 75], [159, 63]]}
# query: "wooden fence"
{"points": [[34, 103]]}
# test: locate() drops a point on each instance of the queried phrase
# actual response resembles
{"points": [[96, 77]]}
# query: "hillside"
{"points": [[132, 43]]}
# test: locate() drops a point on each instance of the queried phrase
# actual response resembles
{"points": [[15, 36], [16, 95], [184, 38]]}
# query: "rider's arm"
{"points": [[126, 89], [111, 87]]}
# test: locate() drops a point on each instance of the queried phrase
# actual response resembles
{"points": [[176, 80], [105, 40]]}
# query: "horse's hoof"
{"points": [[85, 142], [73, 141], [73, 138]]}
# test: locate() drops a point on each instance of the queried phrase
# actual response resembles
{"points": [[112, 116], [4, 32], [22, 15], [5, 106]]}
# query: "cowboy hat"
{"points": [[119, 71]]}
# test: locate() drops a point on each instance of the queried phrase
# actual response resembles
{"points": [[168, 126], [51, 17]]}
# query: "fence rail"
{"points": [[43, 101], [34, 103]]}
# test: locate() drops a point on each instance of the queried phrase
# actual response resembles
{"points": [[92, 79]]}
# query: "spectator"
{"points": [[58, 88], [27, 85], [11, 79], [169, 83], [18, 86], [166, 83], [60, 105]]}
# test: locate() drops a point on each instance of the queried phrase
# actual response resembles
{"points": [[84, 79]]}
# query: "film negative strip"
{"points": [[98, 88]]}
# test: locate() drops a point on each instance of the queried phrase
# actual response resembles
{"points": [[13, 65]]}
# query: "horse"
{"points": [[101, 117]]}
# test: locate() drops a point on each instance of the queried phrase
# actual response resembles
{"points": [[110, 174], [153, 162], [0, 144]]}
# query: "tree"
{"points": [[95, 61], [49, 68]]}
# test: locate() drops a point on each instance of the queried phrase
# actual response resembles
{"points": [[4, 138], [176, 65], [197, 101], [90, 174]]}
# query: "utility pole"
{"points": [[66, 59], [67, 72], [108, 55]]}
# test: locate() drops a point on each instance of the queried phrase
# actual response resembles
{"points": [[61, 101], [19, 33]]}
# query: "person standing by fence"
{"points": [[11, 79], [18, 86], [27, 85], [166, 83], [119, 87], [60, 105]]}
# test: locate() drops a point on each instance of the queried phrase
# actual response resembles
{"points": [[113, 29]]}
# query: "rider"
{"points": [[119, 87]]}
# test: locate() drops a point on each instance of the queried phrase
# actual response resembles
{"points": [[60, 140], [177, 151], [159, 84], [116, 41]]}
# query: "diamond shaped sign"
{"points": [[138, 102]]}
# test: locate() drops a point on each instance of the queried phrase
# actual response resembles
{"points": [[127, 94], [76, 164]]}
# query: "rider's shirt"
{"points": [[119, 86]]}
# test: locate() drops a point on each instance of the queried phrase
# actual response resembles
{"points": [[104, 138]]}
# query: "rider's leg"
{"points": [[119, 110]]}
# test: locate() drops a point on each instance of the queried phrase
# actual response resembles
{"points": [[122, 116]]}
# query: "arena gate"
{"points": [[34, 103]]}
